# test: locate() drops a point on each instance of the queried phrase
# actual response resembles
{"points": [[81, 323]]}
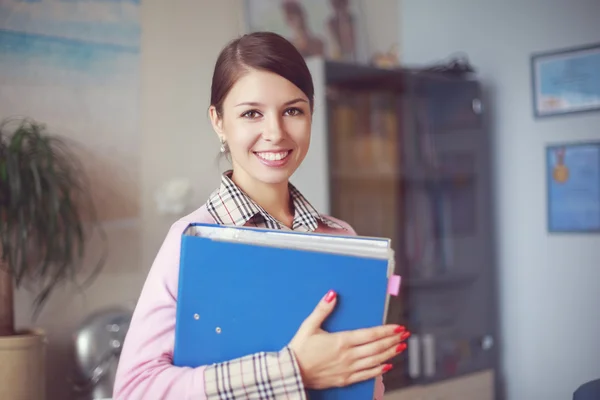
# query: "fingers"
{"points": [[377, 353], [369, 373], [321, 312], [378, 347], [369, 335]]}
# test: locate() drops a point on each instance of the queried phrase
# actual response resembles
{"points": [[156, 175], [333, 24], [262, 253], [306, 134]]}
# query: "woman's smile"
{"points": [[273, 158]]}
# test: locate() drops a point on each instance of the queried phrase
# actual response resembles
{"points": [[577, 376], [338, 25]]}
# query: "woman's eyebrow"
{"points": [[298, 100], [256, 104]]}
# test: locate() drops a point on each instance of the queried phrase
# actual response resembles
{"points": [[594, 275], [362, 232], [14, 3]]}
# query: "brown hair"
{"points": [[265, 51]]}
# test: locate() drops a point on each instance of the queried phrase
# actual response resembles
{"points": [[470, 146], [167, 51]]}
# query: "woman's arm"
{"points": [[146, 370]]}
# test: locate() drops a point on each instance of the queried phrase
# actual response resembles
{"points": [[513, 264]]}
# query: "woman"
{"points": [[261, 109]]}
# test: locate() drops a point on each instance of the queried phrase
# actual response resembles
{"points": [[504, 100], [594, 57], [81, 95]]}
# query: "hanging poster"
{"points": [[573, 173], [73, 65], [566, 81]]}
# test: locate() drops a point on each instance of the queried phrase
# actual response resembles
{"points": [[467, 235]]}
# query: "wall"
{"points": [[548, 283]]}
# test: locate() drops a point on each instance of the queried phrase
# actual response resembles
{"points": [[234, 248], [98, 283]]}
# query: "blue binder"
{"points": [[246, 290]]}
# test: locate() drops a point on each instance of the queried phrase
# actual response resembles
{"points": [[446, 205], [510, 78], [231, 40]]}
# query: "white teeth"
{"points": [[273, 156]]}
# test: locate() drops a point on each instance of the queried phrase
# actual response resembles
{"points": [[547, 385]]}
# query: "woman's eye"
{"points": [[251, 114], [293, 111]]}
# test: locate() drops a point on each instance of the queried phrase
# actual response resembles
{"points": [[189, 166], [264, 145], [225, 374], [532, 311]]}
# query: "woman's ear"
{"points": [[216, 121]]}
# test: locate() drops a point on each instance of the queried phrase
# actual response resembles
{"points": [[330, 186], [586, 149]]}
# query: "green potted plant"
{"points": [[47, 221]]}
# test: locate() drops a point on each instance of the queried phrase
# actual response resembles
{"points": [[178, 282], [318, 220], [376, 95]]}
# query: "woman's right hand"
{"points": [[343, 358]]}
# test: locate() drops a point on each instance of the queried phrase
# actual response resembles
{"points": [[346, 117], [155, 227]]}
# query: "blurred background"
{"points": [[468, 131]]}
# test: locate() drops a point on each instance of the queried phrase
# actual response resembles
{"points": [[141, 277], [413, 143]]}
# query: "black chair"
{"points": [[588, 391]]}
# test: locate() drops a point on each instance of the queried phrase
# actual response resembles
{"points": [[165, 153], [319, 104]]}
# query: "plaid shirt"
{"points": [[262, 375], [229, 205]]}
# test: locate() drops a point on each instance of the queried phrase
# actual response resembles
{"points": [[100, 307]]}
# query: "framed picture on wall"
{"points": [[332, 29], [566, 81], [573, 176]]}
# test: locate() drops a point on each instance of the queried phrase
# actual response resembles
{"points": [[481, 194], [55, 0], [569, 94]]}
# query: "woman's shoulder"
{"points": [[200, 215]]}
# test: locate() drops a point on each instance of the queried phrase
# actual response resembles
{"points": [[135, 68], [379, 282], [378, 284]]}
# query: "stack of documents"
{"points": [[245, 290]]}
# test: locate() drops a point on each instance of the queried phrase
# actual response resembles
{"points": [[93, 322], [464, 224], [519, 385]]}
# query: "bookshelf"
{"points": [[405, 154]]}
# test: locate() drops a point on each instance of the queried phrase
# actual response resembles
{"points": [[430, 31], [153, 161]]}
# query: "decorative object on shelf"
{"points": [[389, 59], [341, 28], [566, 81], [173, 197], [47, 221], [333, 29], [573, 175], [457, 65]]}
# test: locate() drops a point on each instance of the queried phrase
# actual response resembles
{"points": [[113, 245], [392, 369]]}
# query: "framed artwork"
{"points": [[573, 175], [333, 29], [566, 81], [70, 64]]}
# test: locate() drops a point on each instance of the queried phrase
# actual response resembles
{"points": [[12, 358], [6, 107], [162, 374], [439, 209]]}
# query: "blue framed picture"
{"points": [[566, 81], [573, 175]]}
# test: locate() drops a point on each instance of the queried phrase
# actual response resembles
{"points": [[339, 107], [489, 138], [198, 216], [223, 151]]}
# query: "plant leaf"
{"points": [[45, 210]]}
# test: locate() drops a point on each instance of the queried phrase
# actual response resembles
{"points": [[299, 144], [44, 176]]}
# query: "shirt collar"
{"points": [[229, 205]]}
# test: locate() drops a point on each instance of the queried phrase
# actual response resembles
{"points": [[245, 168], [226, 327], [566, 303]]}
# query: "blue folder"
{"points": [[246, 290]]}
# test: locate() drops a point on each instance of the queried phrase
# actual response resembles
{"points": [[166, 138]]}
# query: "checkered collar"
{"points": [[229, 205]]}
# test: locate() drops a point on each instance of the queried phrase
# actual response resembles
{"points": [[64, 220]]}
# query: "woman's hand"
{"points": [[343, 358]]}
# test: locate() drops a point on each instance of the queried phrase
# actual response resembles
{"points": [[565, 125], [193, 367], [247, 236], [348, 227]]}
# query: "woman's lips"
{"points": [[273, 158]]}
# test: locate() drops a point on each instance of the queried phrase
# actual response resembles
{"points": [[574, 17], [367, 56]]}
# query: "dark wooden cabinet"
{"points": [[405, 154]]}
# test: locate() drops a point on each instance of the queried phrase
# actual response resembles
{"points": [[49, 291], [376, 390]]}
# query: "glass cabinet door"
{"points": [[366, 173], [452, 304], [409, 161]]}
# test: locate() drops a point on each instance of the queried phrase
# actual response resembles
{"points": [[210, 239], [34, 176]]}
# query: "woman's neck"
{"points": [[273, 198]]}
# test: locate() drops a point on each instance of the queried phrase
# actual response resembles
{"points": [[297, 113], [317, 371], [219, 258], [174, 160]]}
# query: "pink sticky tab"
{"points": [[394, 285]]}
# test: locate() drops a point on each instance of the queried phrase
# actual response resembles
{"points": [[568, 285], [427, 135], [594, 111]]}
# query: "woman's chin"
{"points": [[273, 176]]}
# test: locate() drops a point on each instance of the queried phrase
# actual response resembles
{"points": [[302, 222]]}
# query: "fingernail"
{"points": [[329, 296], [399, 329], [401, 347], [387, 367], [405, 335]]}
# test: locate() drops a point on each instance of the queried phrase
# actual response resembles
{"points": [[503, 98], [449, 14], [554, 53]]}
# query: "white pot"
{"points": [[23, 366]]}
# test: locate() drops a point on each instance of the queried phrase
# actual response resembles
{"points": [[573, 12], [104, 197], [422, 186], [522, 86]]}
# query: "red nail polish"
{"points": [[329, 296], [404, 336], [399, 329], [401, 347], [387, 367]]}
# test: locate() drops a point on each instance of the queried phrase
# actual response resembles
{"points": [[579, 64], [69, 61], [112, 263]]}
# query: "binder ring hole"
{"points": [[196, 317], [218, 330]]}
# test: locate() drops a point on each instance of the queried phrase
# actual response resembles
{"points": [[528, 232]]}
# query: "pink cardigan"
{"points": [[145, 368]]}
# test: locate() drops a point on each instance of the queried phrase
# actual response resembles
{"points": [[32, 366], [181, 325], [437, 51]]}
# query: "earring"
{"points": [[223, 145]]}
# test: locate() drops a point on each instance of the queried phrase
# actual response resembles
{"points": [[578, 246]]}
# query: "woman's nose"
{"points": [[274, 130]]}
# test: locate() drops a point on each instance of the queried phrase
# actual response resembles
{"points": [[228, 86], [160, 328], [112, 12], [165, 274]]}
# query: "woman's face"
{"points": [[266, 123]]}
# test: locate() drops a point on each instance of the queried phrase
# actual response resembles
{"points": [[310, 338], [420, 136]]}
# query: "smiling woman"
{"points": [[261, 110]]}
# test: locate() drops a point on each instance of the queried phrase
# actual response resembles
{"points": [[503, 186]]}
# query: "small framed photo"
{"points": [[332, 29], [573, 176], [566, 81]]}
